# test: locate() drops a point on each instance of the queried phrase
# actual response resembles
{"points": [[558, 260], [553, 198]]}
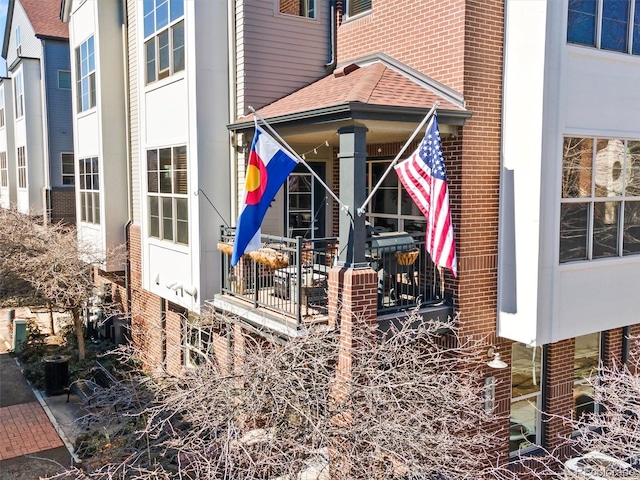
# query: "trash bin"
{"points": [[56, 374]]}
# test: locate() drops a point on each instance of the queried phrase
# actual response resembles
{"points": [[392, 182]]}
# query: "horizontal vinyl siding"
{"points": [[277, 54], [134, 117], [59, 110], [30, 45]]}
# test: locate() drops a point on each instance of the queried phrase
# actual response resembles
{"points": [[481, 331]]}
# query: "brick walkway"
{"points": [[24, 429]]}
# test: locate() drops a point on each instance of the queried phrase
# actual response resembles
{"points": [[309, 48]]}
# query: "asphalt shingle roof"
{"points": [[374, 84], [44, 16]]}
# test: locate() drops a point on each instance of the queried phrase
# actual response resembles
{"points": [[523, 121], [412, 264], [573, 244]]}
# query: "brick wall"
{"points": [[61, 205], [427, 36]]}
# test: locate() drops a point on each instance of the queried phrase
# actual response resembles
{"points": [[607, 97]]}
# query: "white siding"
{"points": [[554, 90], [134, 112], [30, 45]]}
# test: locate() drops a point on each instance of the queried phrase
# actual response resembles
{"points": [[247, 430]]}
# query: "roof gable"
{"points": [[44, 16]]}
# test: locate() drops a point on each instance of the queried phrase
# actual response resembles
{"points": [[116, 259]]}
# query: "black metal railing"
{"points": [[268, 278]]}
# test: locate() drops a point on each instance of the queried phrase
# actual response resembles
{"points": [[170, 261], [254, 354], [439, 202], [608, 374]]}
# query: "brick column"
{"points": [[353, 304], [612, 351], [559, 394]]}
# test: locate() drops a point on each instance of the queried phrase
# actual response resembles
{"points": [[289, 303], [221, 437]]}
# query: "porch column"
{"points": [[353, 191]]}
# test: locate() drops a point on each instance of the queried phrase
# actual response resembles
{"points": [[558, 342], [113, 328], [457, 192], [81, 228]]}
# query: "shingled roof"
{"points": [[44, 16], [377, 83]]}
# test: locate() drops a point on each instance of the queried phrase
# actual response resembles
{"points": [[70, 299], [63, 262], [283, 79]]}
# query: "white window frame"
{"points": [[86, 75], [22, 167], [2, 110], [198, 344], [89, 190], [4, 170], [306, 8], [18, 41], [18, 86], [68, 178], [403, 221], [154, 49], [168, 195], [350, 5]]}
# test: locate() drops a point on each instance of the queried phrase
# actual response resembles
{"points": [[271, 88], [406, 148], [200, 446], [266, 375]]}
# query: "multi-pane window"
{"points": [[64, 79], [1, 107], [391, 208], [22, 168], [356, 7], [68, 169], [300, 8], [89, 190], [198, 344], [164, 38], [167, 193], [18, 41], [607, 24], [86, 75], [526, 399], [585, 366], [19, 94], [4, 170], [600, 206]]}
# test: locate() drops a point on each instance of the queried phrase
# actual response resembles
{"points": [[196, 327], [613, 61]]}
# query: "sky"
{"points": [[3, 20]]}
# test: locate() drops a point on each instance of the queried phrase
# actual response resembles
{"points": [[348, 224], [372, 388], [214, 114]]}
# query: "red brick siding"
{"points": [[62, 207], [559, 384], [427, 36]]}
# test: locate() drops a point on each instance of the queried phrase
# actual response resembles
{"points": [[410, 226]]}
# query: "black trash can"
{"points": [[56, 374]]}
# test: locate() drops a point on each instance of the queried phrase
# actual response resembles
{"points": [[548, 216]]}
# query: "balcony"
{"points": [[283, 286]]}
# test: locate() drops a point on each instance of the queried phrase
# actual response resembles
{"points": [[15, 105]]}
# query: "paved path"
{"points": [[30, 445]]}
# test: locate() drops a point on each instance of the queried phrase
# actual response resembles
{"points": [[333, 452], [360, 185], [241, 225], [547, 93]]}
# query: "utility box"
{"points": [[19, 333]]}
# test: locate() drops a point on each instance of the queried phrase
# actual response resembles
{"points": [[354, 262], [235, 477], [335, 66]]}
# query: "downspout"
{"points": [[127, 123], [333, 19], [626, 332]]}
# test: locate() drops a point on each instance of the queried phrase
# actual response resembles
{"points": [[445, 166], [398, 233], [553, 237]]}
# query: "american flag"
{"points": [[423, 175]]}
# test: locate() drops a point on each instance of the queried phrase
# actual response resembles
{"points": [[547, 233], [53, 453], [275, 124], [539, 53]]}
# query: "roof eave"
{"points": [[357, 111], [7, 29]]}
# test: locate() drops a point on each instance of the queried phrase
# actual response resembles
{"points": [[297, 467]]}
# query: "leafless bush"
{"points": [[410, 407]]}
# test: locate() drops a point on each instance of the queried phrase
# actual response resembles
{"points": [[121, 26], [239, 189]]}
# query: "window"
{"points": [[300, 201], [167, 193], [18, 41], [4, 170], [585, 364], [18, 87], [89, 190], [86, 75], [1, 107], [356, 7], [68, 170], [64, 79], [164, 38], [22, 168], [198, 344], [391, 208], [526, 377], [300, 8], [607, 24], [600, 210]]}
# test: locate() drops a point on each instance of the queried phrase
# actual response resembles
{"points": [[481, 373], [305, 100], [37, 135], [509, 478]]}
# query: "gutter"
{"points": [[358, 111]]}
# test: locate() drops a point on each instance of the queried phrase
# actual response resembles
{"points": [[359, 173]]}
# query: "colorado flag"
{"points": [[268, 167]]}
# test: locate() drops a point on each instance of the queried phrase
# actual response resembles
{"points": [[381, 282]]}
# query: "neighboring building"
{"points": [[8, 164], [536, 113], [570, 202], [36, 49]]}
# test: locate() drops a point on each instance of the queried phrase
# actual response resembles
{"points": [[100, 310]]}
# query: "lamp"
{"points": [[496, 361]]}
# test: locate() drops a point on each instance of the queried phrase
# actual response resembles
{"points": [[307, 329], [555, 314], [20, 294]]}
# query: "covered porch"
{"points": [[350, 124]]}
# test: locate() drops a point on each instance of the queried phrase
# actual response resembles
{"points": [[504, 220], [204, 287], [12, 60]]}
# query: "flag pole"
{"points": [[299, 158], [361, 210]]}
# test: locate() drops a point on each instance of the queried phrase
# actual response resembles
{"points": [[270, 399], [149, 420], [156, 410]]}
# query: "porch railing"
{"points": [[289, 276]]}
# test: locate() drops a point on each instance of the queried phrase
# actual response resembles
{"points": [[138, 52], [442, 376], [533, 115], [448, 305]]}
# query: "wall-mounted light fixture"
{"points": [[496, 361]]}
